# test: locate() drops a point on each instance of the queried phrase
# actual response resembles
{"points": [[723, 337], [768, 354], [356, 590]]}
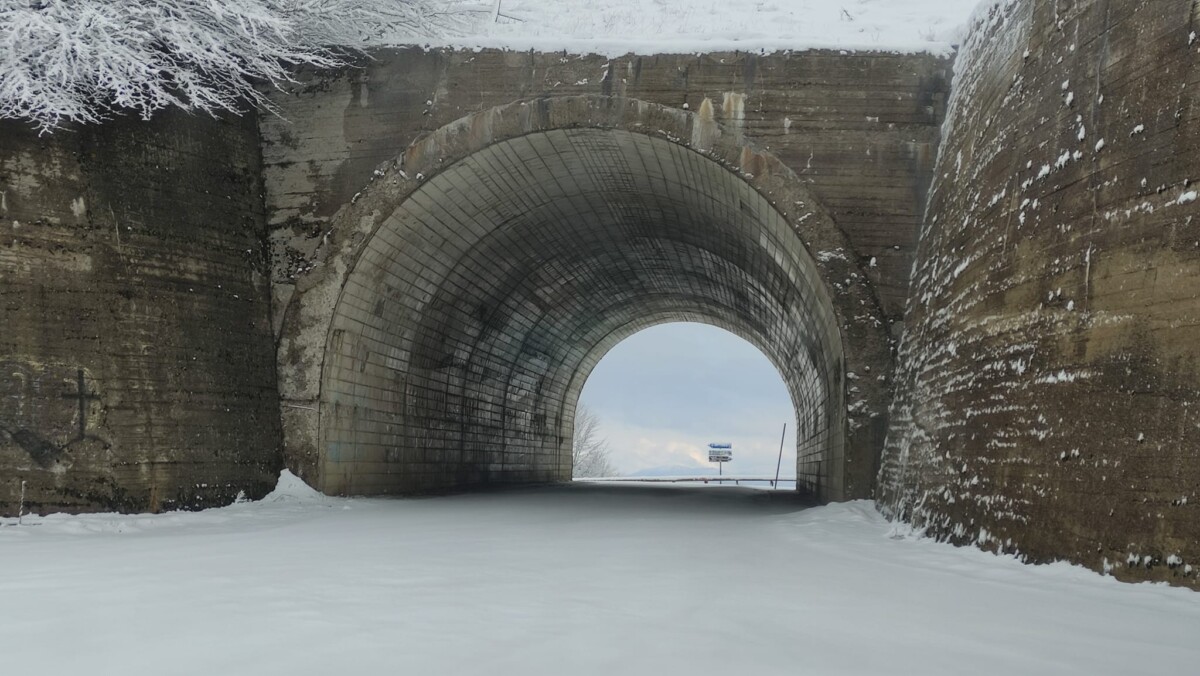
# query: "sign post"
{"points": [[775, 483], [720, 454]]}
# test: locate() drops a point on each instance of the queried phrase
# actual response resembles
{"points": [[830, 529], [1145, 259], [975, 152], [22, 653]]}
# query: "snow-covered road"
{"points": [[582, 579]]}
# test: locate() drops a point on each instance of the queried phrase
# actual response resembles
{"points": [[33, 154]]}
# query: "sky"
{"points": [[663, 394]]}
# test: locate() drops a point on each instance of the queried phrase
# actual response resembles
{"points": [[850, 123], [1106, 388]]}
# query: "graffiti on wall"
{"points": [[48, 412]]}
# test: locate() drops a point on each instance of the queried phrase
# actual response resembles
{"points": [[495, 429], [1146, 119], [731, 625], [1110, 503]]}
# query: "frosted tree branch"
{"points": [[66, 61], [590, 451]]}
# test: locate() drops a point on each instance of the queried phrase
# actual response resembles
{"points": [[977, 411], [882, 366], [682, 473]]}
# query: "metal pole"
{"points": [[780, 460], [21, 507]]}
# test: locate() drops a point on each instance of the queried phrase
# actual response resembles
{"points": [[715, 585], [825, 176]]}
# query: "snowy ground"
{"points": [[582, 579], [618, 27]]}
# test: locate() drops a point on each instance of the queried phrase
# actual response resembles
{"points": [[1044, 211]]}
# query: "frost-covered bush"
{"points": [[84, 60], [590, 454]]}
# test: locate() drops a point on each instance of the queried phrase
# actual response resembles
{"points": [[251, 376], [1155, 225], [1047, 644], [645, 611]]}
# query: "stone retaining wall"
{"points": [[1048, 398], [136, 363]]}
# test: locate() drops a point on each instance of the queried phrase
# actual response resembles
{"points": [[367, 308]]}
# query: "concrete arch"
{"points": [[441, 338]]}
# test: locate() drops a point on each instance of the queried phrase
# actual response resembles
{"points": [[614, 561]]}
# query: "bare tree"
{"points": [[590, 451], [65, 61]]}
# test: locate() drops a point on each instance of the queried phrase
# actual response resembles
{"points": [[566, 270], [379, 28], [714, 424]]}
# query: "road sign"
{"points": [[720, 452]]}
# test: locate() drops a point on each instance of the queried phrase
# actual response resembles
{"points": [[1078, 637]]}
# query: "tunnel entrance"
{"points": [[654, 402], [465, 305]]}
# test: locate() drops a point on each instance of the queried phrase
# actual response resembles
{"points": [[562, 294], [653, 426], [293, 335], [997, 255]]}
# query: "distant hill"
{"points": [[676, 470]]}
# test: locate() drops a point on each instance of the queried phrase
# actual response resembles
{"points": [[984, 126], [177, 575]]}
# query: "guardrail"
{"points": [[808, 483], [683, 479]]}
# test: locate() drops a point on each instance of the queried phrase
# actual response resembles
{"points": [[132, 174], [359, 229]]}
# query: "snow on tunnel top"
{"points": [[618, 27]]}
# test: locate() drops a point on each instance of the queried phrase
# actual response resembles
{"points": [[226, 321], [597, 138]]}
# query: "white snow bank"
{"points": [[292, 488], [619, 27], [291, 499], [87, 60], [578, 579]]}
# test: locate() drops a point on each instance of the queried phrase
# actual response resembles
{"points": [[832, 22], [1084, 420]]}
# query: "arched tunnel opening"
{"points": [[470, 315], [656, 401]]}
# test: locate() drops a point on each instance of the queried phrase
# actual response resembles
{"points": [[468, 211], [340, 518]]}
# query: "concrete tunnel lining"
{"points": [[481, 289], [469, 318]]}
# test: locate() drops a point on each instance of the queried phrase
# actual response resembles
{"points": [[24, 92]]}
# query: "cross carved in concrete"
{"points": [[82, 396]]}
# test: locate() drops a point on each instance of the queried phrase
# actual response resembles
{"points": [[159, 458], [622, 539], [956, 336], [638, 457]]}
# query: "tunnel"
{"points": [[471, 300]]}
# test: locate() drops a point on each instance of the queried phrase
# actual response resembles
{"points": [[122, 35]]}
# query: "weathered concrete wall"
{"points": [[857, 132], [135, 259], [133, 266], [458, 304], [862, 128], [1049, 394]]}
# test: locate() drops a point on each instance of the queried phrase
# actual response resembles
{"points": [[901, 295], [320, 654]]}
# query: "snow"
{"points": [[84, 60], [87, 60], [576, 579], [620, 27], [291, 488]]}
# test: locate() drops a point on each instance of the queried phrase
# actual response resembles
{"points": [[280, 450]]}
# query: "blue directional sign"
{"points": [[720, 445]]}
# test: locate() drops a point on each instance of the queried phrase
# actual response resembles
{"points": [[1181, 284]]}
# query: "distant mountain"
{"points": [[676, 470]]}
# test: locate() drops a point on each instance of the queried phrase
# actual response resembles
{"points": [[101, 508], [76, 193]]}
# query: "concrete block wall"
{"points": [[460, 300], [459, 339], [133, 276], [136, 360], [860, 128], [1048, 399]]}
